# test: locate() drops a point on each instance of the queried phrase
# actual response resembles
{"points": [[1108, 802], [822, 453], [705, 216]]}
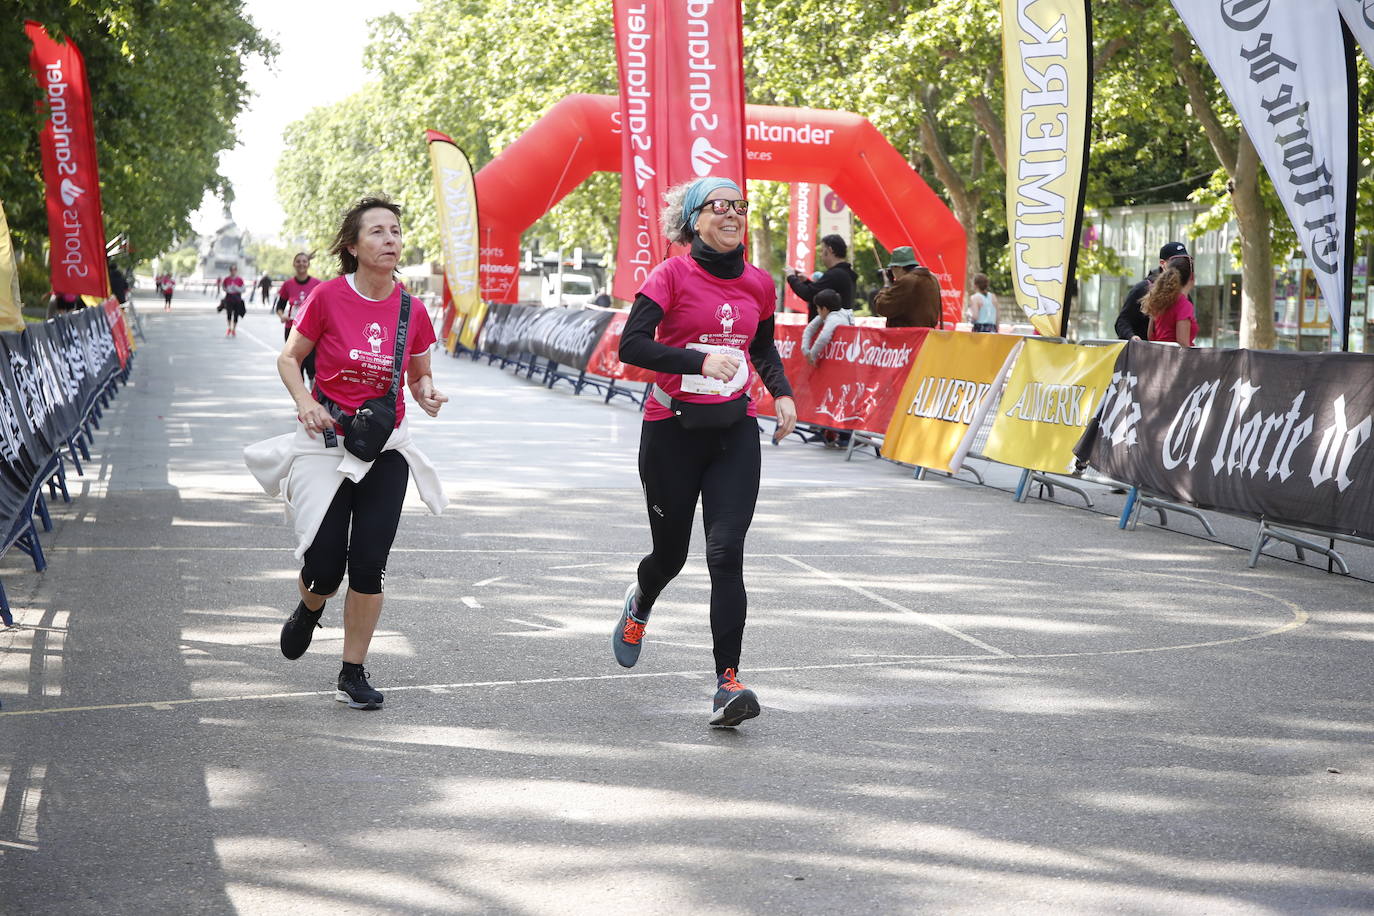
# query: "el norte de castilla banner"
{"points": [[1047, 58]]}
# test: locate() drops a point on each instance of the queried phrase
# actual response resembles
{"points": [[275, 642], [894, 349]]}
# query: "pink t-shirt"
{"points": [[295, 293], [704, 310], [1166, 322], [234, 284], [355, 342]]}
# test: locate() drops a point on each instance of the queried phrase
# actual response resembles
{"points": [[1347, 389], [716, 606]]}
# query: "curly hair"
{"points": [[352, 225], [671, 218], [1167, 286]]}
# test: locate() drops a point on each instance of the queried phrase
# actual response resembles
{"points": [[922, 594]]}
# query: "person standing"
{"points": [[167, 286], [910, 297], [232, 303], [983, 309], [291, 295], [700, 322], [1170, 311], [346, 511], [839, 275], [830, 314], [265, 289], [1131, 322]]}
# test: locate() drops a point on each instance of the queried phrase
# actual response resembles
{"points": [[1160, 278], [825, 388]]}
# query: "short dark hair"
{"points": [[836, 244], [827, 299], [352, 225]]}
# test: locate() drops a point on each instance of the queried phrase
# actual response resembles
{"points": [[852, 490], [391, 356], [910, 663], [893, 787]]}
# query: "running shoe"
{"points": [[355, 690], [298, 630], [734, 702], [628, 637]]}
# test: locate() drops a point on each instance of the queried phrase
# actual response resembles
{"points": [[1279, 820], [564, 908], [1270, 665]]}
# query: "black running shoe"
{"points": [[355, 690], [298, 630], [733, 702]]}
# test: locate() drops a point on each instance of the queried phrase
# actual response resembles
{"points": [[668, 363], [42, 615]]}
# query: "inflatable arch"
{"points": [[581, 134]]}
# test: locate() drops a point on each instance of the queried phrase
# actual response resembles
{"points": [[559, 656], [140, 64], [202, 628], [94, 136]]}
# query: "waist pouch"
{"points": [[365, 432], [695, 415]]}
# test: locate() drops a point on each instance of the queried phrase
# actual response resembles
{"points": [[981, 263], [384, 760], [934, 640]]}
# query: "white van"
{"points": [[577, 290]]}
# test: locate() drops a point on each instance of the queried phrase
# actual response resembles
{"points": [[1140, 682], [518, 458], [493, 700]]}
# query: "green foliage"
{"points": [[167, 81]]}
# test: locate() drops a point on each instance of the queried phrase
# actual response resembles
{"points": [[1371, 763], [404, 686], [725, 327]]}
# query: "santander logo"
{"points": [[705, 156], [70, 191], [643, 172]]}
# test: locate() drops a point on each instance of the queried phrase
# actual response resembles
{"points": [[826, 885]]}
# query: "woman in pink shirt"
{"points": [[703, 322], [1167, 305]]}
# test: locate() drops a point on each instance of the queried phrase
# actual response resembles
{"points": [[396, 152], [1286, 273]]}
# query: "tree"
{"points": [[167, 81]]}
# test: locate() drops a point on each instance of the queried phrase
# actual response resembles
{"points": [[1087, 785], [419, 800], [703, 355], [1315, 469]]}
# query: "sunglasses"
{"points": [[721, 206]]}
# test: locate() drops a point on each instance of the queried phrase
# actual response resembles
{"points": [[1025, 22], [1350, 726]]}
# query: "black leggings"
{"points": [[373, 504], [721, 466], [307, 364]]}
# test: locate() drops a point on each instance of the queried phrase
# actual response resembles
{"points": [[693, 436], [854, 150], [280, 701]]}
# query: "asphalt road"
{"points": [[969, 705]]}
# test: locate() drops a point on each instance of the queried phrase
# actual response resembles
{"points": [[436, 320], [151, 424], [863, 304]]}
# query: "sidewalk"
{"points": [[970, 705]]}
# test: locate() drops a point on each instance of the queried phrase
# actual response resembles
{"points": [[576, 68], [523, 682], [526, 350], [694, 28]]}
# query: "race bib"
{"points": [[700, 384]]}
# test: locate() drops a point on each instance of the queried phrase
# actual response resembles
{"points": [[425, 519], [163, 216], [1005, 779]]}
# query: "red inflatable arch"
{"points": [[581, 135]]}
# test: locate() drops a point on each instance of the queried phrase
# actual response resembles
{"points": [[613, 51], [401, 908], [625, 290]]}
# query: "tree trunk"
{"points": [[1256, 254], [966, 204]]}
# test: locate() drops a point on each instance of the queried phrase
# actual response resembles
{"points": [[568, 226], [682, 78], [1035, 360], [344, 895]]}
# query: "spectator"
{"points": [[265, 289], [1170, 311], [981, 306], [1131, 322], [62, 304], [838, 275], [910, 297], [830, 314]]}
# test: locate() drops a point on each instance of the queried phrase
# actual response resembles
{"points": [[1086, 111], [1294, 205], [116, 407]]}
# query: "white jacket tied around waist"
{"points": [[301, 469]]}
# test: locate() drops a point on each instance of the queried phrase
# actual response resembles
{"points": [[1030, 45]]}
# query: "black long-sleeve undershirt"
{"points": [[639, 348]]}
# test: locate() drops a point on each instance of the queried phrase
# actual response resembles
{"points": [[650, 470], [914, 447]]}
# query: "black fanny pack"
{"points": [[366, 432], [696, 415]]}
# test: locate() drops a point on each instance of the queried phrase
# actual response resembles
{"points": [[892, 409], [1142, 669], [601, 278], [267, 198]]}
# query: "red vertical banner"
{"points": [[118, 330], [801, 238], [706, 108], [641, 58], [76, 226]]}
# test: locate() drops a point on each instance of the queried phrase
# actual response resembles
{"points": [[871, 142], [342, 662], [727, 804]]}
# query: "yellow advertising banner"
{"points": [[1047, 57], [1053, 392], [11, 306], [949, 391], [456, 197], [472, 325]]}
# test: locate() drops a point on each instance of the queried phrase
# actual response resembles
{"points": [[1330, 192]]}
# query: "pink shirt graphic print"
{"points": [[710, 314], [355, 342]]}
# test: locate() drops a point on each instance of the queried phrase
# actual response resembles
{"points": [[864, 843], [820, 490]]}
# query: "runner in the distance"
{"points": [[232, 303], [699, 321], [291, 296], [167, 286]]}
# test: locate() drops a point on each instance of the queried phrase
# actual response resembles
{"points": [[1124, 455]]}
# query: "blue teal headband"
{"points": [[696, 196]]}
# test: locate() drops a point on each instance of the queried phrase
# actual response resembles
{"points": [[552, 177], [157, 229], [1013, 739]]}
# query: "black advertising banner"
{"points": [[565, 336], [1282, 436]]}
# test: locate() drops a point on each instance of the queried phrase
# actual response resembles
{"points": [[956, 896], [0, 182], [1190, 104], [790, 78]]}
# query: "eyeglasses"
{"points": [[721, 206]]}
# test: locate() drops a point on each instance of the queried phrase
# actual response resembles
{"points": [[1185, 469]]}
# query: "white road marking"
{"points": [[578, 566], [527, 623], [487, 581], [886, 602], [471, 601]]}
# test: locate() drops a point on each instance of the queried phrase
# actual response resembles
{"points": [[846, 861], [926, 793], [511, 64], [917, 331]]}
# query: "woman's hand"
{"points": [[787, 418], [720, 366], [427, 396], [314, 417]]}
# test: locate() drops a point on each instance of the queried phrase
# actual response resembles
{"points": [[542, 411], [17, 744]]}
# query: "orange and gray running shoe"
{"points": [[628, 637], [734, 702]]}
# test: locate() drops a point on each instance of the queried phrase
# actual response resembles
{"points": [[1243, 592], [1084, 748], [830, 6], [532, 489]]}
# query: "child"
{"points": [[983, 308], [829, 316]]}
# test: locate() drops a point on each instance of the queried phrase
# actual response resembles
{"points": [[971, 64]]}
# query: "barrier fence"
{"points": [[55, 380], [1278, 438]]}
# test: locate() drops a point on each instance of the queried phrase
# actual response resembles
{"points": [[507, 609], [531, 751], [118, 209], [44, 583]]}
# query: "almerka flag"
{"points": [[456, 198], [1284, 68], [1047, 53], [681, 66], [76, 222], [11, 314], [801, 238]]}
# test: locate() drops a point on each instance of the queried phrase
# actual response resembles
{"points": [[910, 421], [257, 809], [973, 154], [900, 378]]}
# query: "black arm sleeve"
{"points": [[1131, 320], [638, 347], [764, 355], [803, 287]]}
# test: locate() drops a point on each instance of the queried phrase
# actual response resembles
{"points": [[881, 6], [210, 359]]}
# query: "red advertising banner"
{"points": [[76, 226], [705, 110], [856, 382], [801, 238], [605, 359], [118, 330], [641, 58]]}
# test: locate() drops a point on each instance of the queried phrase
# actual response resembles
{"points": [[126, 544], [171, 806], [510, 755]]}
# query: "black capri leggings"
{"points": [[373, 505], [721, 466]]}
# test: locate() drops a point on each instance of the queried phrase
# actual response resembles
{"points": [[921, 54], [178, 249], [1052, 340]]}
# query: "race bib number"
{"points": [[700, 384]]}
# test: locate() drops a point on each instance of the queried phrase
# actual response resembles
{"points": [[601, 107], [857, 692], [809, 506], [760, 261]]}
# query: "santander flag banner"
{"points": [[1047, 55], [76, 226], [456, 199], [704, 112], [1284, 68], [801, 238], [641, 58]]}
